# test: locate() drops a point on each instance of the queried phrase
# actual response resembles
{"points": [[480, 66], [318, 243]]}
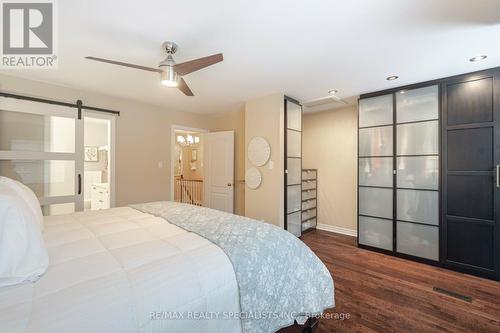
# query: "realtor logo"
{"points": [[28, 34]]}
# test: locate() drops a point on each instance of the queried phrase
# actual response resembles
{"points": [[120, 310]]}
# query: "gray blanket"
{"points": [[279, 277]]}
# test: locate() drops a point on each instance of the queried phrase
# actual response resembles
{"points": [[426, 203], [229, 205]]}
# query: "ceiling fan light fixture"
{"points": [[169, 83], [169, 78], [171, 74]]}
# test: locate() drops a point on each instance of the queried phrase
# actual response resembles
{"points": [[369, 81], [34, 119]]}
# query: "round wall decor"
{"points": [[258, 151], [253, 178]]}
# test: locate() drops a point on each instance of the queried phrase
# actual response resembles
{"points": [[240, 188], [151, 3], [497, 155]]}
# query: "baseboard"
{"points": [[337, 230]]}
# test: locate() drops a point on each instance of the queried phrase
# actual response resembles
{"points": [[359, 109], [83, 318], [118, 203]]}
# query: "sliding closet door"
{"points": [[375, 167], [293, 167], [398, 165], [417, 161], [41, 146], [471, 136]]}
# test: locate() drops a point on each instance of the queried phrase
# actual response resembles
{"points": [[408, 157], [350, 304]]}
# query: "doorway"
{"points": [[98, 161], [187, 168], [202, 168]]}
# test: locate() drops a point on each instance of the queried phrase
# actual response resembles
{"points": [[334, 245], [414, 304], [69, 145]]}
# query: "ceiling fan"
{"points": [[171, 73]]}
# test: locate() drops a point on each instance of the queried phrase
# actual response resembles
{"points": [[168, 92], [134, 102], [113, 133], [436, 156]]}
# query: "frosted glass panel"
{"points": [[294, 167], [293, 198], [293, 116], [375, 111], [375, 202], [418, 138], [417, 104], [418, 172], [46, 178], [375, 232], [418, 206], [418, 240], [376, 171], [34, 132], [294, 222], [293, 144], [375, 141]]}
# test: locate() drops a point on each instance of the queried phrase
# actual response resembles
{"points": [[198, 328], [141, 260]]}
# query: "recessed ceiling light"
{"points": [[392, 78], [333, 91], [478, 58]]}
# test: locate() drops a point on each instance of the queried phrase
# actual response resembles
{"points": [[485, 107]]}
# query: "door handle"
{"points": [[498, 174], [229, 184], [79, 184]]}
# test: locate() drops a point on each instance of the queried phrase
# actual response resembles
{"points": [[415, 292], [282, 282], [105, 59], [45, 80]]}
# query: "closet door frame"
{"points": [[285, 162], [393, 126], [393, 92]]}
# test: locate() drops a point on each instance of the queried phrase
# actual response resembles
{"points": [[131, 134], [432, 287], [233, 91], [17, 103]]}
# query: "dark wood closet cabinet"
{"points": [[429, 172], [470, 232]]}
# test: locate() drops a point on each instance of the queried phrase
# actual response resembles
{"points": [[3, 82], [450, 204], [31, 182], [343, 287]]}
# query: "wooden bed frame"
{"points": [[309, 327]]}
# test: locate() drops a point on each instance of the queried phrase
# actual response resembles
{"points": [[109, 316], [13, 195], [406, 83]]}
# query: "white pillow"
{"points": [[27, 195], [23, 256]]}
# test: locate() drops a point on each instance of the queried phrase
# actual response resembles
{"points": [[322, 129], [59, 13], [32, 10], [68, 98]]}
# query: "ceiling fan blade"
{"points": [[184, 88], [113, 62], [197, 64]]}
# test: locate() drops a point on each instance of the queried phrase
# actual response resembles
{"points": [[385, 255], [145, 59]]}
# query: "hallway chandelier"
{"points": [[188, 140]]}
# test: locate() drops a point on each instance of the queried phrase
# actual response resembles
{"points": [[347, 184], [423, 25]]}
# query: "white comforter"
{"points": [[111, 269]]}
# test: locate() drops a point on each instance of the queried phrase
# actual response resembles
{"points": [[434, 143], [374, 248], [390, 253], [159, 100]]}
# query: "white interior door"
{"points": [[218, 164], [41, 146]]}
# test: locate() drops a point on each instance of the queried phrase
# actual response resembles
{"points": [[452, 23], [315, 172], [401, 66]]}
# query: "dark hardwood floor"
{"points": [[387, 294]]}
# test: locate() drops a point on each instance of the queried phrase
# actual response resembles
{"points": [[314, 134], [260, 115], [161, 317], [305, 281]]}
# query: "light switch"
{"points": [[271, 165], [160, 164]]}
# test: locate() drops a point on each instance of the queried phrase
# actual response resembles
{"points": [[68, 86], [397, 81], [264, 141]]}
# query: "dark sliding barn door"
{"points": [[471, 184]]}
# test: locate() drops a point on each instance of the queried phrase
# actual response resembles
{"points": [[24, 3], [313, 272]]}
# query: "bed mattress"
{"points": [[120, 270]]}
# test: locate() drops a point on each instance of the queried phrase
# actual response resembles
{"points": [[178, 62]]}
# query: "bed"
{"points": [[142, 270]]}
